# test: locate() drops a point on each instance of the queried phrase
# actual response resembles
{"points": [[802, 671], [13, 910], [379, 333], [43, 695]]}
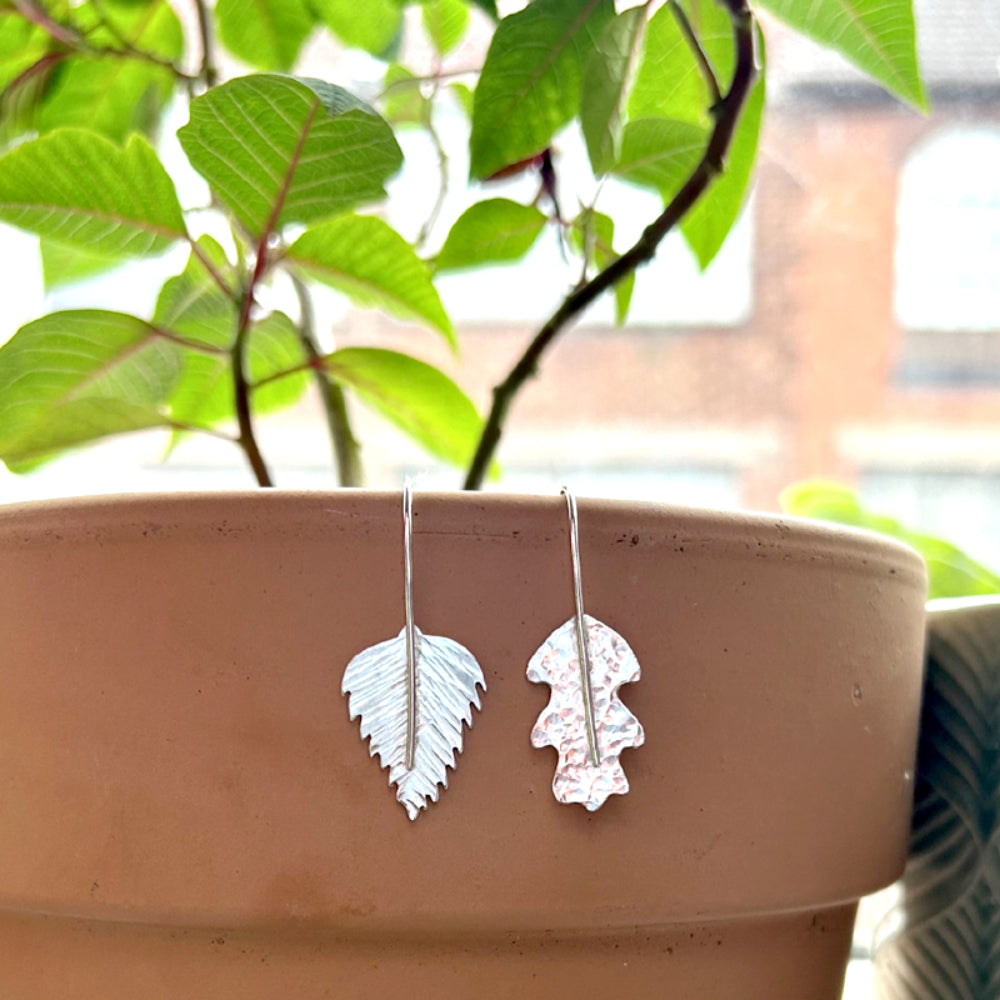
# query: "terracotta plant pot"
{"points": [[187, 811]]}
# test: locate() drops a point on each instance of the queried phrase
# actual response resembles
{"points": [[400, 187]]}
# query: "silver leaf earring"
{"points": [[585, 662], [413, 694]]}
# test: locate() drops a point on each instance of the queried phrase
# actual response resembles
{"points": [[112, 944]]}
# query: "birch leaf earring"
{"points": [[585, 662], [413, 693]]}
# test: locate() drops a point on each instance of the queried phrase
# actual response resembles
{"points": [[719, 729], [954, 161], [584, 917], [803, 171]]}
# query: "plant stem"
{"points": [[72, 39], [241, 386], [701, 57], [726, 115], [209, 72], [443, 172], [346, 450]]}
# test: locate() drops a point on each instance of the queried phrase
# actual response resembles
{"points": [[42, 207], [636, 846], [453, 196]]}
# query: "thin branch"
{"points": [[205, 260], [443, 178], [306, 366], [191, 345], [709, 166], [346, 450], [209, 71], [181, 425], [241, 386], [39, 16], [72, 39], [700, 55], [436, 78]]}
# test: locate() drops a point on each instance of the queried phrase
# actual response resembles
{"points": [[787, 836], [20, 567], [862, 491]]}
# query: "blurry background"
{"points": [[850, 328]]}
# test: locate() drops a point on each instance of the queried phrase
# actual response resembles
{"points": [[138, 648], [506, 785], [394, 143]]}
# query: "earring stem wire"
{"points": [[582, 644], [411, 631]]}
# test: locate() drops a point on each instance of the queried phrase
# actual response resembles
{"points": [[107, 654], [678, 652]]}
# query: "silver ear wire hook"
{"points": [[582, 643], [411, 629]]}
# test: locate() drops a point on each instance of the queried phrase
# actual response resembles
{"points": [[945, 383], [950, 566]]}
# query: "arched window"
{"points": [[948, 233]]}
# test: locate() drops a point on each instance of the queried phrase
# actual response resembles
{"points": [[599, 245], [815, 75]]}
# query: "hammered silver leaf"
{"points": [[563, 723], [447, 680]]}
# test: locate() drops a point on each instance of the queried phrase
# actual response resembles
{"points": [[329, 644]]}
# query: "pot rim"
{"points": [[708, 530]]}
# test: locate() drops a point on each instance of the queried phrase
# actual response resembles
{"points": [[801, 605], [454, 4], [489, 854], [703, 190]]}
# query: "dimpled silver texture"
{"points": [[563, 723], [446, 679]]}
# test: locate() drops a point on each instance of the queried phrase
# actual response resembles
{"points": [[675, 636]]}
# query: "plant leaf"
{"points": [[951, 572], [420, 400], [115, 96], [22, 44], [279, 150], [490, 232], [445, 22], [373, 25], [608, 75], [447, 682], [402, 101], [73, 377], [63, 264], [669, 83], [563, 722], [531, 81], [367, 260], [266, 34], [79, 188], [707, 225], [592, 236], [659, 153], [878, 36]]}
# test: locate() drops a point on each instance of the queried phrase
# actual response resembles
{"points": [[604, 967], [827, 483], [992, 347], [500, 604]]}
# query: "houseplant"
{"points": [[184, 815]]}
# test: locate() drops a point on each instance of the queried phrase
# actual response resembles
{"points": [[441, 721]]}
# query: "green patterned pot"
{"points": [[942, 941]]}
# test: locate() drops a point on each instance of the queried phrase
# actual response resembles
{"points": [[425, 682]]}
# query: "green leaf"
{"points": [[279, 150], [952, 573], [488, 6], [608, 74], [21, 45], [26, 66], [367, 260], [402, 100], [878, 36], [420, 400], [445, 21], [116, 96], [669, 83], [707, 225], [204, 394], [659, 153], [464, 96], [68, 265], [372, 25], [266, 34], [273, 347], [193, 305], [532, 80], [490, 232], [73, 377], [592, 235], [79, 188]]}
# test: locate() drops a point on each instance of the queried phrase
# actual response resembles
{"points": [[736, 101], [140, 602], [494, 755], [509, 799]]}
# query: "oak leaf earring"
{"points": [[413, 693], [585, 662]]}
